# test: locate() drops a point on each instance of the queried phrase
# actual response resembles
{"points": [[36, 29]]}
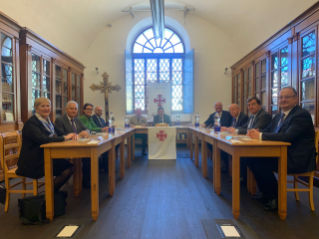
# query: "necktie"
{"points": [[280, 122], [73, 126], [138, 119], [250, 125], [234, 123]]}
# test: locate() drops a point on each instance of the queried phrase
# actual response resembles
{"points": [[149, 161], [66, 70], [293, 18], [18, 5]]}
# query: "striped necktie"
{"points": [[282, 118], [250, 124], [234, 123]]}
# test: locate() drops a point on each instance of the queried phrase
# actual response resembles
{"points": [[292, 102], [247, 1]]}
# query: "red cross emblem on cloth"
{"points": [[161, 135], [159, 100]]}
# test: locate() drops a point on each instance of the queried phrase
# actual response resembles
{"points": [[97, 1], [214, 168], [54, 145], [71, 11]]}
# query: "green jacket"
{"points": [[89, 123]]}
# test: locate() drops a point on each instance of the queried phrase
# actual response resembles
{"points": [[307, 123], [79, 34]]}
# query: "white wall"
{"points": [[213, 53]]}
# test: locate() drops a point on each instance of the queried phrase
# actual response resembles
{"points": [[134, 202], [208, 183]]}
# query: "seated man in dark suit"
{"points": [[69, 123], [239, 118], [161, 117], [293, 125], [225, 120], [259, 118], [98, 120], [224, 116]]}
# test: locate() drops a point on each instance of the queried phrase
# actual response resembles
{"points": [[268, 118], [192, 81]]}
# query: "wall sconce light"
{"points": [[97, 70]]}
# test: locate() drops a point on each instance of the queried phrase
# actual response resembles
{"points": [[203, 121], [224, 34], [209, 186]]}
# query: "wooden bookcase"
{"points": [[288, 58], [48, 72]]}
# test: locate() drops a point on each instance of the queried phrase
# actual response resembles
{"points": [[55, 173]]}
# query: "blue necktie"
{"points": [[280, 122], [250, 124], [234, 123]]}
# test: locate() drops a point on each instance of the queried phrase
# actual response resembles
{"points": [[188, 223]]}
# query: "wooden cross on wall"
{"points": [[106, 87]]}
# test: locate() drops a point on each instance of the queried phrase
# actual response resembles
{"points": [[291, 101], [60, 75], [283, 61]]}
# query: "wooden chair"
{"points": [[10, 146], [309, 185], [161, 125]]}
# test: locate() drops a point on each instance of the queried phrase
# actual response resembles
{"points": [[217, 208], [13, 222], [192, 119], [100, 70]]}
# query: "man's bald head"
{"points": [[234, 110], [98, 110], [218, 106]]}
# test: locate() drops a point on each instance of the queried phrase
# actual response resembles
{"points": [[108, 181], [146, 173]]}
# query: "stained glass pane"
{"points": [[169, 50], [139, 71], [7, 107], [309, 44], [7, 83], [274, 79], [151, 70], [46, 67], [139, 96], [58, 72], [179, 48], [177, 97], [6, 50], [164, 67], [284, 76], [148, 45], [35, 80], [141, 39], [158, 50], [149, 33], [308, 90], [35, 63], [274, 61], [308, 67], [137, 48], [284, 56], [310, 107], [46, 83], [274, 96]]}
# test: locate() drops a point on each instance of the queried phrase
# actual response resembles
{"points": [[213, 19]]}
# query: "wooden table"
{"points": [[251, 148], [81, 149]]}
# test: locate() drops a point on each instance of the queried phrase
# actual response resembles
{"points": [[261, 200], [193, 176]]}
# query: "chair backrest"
{"points": [[316, 142], [10, 146], [161, 125]]}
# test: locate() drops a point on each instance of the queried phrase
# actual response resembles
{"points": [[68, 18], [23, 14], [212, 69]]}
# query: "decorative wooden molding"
{"points": [[290, 40], [29, 47], [296, 37], [267, 53], [252, 63]]}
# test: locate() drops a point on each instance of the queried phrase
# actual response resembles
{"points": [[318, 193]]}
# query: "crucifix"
{"points": [[106, 87]]}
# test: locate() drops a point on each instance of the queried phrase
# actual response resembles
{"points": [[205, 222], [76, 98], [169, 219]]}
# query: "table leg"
{"points": [[282, 183], [187, 138], [95, 184], [122, 159], [49, 186], [196, 150], [128, 155], [236, 184], [111, 153], [77, 182], [191, 145], [204, 157], [216, 168], [133, 147]]}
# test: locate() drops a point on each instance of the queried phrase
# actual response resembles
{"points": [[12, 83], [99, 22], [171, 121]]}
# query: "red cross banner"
{"points": [[162, 143], [159, 95]]}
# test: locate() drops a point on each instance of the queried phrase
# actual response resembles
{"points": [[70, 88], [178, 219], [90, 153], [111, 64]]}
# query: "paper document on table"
{"points": [[93, 142], [236, 141]]}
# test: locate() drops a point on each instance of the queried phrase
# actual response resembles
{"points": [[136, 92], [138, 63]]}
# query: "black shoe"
{"points": [[86, 184], [260, 197], [272, 205]]}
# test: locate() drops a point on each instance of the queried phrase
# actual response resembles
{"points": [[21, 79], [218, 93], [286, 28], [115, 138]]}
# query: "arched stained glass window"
{"points": [[159, 61], [146, 43]]}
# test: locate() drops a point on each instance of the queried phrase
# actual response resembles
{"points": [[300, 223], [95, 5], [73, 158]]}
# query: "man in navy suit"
{"points": [[98, 120], [225, 117], [293, 125], [239, 118]]}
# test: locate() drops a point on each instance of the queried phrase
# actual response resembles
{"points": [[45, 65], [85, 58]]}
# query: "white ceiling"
{"points": [[73, 24]]}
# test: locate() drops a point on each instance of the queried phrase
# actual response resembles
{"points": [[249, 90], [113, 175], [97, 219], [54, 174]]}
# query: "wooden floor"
{"points": [[164, 200]]}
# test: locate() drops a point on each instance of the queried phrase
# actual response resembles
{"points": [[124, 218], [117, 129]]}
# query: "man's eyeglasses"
{"points": [[89, 109], [286, 97]]}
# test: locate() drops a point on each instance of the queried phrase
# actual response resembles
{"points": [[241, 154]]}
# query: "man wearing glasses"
{"points": [[294, 125]]}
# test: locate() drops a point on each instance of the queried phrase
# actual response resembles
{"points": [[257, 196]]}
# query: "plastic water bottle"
{"points": [[177, 120], [196, 120], [110, 124], [126, 122], [216, 123], [113, 125]]}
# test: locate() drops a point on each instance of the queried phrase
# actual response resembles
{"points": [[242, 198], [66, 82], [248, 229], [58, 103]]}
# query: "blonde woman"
{"points": [[37, 130]]}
